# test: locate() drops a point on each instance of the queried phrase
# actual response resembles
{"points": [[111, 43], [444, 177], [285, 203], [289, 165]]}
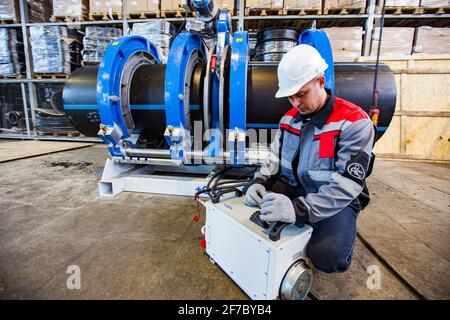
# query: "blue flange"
{"points": [[319, 40], [183, 48], [113, 126], [238, 97], [224, 29]]}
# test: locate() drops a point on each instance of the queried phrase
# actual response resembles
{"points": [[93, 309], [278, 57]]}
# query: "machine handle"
{"points": [[275, 232]]}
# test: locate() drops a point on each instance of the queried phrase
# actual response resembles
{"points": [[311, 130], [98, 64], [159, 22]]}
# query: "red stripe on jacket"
{"points": [[290, 129], [345, 110]]}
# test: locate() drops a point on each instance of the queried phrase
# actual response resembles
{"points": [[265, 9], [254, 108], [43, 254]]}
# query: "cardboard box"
{"points": [[10, 10], [302, 4], [171, 5], [346, 43], [152, 5], [432, 41], [105, 6], [400, 3], [395, 41], [435, 3], [264, 4], [67, 8], [336, 4], [136, 6]]}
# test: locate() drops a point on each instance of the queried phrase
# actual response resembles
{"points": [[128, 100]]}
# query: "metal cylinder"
{"points": [[273, 43], [80, 100], [146, 100], [353, 82]]}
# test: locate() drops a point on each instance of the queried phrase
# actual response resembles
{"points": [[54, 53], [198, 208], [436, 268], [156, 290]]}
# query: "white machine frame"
{"points": [[245, 252], [120, 177]]}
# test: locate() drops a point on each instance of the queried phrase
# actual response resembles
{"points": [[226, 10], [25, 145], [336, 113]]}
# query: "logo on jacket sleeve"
{"points": [[356, 170]]}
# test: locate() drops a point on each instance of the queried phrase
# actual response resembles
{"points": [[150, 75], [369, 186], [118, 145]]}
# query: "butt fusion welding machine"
{"points": [[147, 113]]}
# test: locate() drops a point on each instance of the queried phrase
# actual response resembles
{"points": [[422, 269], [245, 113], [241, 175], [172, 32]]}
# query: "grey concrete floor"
{"points": [[143, 246]]}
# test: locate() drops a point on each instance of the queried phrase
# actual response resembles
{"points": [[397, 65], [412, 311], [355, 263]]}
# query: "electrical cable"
{"points": [[374, 111]]}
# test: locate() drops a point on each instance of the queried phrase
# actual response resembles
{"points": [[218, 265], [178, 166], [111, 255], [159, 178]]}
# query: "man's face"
{"points": [[309, 98]]}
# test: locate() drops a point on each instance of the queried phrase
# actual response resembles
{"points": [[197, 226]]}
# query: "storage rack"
{"points": [[28, 84]]}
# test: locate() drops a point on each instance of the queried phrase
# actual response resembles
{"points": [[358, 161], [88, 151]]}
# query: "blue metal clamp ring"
{"points": [[109, 78], [174, 89]]}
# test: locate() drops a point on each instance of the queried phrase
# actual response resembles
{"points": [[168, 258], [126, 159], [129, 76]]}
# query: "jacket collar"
{"points": [[319, 118]]}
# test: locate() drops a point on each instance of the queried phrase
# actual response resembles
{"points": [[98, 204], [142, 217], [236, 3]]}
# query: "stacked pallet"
{"points": [[105, 9], [70, 9], [142, 9], [346, 43], [171, 8], [399, 7], [11, 53], [95, 42], [303, 7], [395, 41], [9, 11], [39, 10], [435, 6], [264, 7], [432, 41], [159, 33], [56, 51], [344, 7]]}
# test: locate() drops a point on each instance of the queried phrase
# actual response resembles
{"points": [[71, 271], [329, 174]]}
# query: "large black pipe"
{"points": [[146, 99], [353, 82]]}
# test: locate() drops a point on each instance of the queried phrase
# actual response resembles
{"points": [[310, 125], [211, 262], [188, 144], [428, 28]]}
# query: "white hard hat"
{"points": [[298, 66]]}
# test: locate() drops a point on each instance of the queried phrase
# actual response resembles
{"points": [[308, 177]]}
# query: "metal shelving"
{"points": [[367, 21]]}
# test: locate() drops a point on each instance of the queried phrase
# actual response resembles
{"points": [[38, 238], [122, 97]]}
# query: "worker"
{"points": [[320, 157]]}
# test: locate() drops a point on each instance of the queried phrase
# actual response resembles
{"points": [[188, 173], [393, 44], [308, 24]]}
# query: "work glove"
{"points": [[277, 207], [254, 195]]}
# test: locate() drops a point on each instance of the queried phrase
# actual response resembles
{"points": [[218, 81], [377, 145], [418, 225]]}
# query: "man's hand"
{"points": [[277, 207], [254, 195]]}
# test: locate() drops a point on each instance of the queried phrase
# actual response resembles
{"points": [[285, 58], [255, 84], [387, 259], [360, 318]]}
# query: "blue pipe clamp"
{"points": [[186, 48], [238, 97], [114, 127]]}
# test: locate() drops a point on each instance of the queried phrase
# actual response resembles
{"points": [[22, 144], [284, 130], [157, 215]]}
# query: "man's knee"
{"points": [[329, 259]]}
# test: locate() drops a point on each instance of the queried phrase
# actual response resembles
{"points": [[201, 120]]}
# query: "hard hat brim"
{"points": [[288, 92], [294, 89]]}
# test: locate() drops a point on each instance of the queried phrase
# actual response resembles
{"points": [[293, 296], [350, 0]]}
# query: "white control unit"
{"points": [[245, 252]]}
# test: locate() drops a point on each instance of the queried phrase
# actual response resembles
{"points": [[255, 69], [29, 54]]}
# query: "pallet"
{"points": [[437, 10], [9, 21], [399, 10], [98, 16], [12, 76], [303, 11], [344, 11], [51, 75], [173, 13], [143, 15], [58, 134], [264, 12], [80, 17]]}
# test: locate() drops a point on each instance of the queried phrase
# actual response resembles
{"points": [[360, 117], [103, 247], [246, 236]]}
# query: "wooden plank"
{"points": [[430, 92], [390, 141], [428, 135], [14, 150], [353, 283], [407, 223]]}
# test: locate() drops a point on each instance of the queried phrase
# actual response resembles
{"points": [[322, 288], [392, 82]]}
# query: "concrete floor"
{"points": [[143, 246]]}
